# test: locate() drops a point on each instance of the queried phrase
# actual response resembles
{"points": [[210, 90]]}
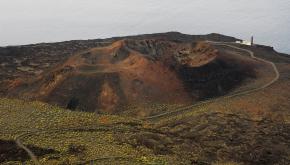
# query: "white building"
{"points": [[244, 42], [250, 43]]}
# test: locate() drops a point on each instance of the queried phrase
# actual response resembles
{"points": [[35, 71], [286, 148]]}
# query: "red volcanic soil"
{"points": [[137, 71]]}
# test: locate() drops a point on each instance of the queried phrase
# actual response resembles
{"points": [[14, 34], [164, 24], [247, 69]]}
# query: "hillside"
{"points": [[104, 79], [158, 99]]}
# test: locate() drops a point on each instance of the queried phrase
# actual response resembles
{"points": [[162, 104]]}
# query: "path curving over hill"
{"points": [[188, 108], [85, 128], [29, 152], [155, 117]]}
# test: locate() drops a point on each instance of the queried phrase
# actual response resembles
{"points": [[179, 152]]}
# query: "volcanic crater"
{"points": [[131, 71]]}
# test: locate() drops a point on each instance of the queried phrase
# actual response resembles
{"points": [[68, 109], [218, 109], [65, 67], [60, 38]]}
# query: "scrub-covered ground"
{"points": [[247, 129]]}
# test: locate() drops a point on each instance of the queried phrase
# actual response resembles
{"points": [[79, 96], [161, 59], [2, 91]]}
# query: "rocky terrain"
{"points": [[31, 60], [165, 98], [115, 74]]}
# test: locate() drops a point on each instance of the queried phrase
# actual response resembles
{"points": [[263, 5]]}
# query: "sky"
{"points": [[34, 21]]}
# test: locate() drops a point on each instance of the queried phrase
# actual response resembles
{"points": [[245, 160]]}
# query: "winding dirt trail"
{"points": [[34, 159], [188, 108], [32, 156], [166, 114]]}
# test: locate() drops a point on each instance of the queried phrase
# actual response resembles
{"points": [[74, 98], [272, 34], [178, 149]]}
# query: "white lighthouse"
{"points": [[252, 41]]}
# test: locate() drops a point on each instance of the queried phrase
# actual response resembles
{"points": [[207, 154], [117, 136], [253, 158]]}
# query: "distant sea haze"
{"points": [[34, 21]]}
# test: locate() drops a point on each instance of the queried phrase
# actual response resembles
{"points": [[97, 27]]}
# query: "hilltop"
{"points": [[137, 71], [104, 76]]}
